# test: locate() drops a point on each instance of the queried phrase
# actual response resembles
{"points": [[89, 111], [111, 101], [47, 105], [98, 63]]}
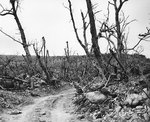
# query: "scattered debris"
{"points": [[117, 102]]}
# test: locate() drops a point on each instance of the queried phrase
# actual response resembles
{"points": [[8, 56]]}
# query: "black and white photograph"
{"points": [[74, 60]]}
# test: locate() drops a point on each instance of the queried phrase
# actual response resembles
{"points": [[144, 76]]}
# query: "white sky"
{"points": [[49, 18]]}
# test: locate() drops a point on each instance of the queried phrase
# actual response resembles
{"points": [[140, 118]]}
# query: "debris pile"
{"points": [[116, 102]]}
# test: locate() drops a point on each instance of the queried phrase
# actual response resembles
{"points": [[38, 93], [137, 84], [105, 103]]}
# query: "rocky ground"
{"points": [[114, 102]]}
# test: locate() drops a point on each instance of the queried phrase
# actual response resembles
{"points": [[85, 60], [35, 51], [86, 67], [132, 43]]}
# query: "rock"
{"points": [[133, 99], [95, 97], [96, 86], [135, 102]]}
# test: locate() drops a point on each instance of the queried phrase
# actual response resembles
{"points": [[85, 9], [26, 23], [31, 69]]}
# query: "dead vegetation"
{"points": [[112, 87], [117, 100], [119, 89]]}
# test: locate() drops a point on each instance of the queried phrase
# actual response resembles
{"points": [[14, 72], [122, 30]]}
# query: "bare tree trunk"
{"points": [[44, 68], [13, 12], [95, 45], [120, 47], [23, 37], [84, 46], [93, 31]]}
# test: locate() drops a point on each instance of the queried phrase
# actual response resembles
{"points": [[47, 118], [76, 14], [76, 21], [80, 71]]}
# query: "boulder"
{"points": [[95, 97], [134, 99]]}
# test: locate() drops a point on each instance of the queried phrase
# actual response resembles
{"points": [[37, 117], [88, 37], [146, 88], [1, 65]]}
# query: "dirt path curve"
{"points": [[53, 108]]}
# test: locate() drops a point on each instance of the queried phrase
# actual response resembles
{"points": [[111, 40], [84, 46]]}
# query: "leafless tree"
{"points": [[116, 31], [121, 24], [85, 26], [120, 46], [13, 12], [110, 32], [43, 63], [142, 37], [95, 47]]}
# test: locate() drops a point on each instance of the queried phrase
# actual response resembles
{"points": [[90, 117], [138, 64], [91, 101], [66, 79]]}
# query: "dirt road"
{"points": [[53, 108]]}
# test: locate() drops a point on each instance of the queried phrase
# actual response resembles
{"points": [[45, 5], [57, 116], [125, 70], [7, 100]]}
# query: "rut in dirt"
{"points": [[53, 108]]}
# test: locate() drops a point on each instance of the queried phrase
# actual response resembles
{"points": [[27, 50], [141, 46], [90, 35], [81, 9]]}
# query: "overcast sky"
{"points": [[49, 18]]}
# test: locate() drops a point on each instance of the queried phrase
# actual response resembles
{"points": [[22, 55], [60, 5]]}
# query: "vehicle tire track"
{"points": [[53, 108]]}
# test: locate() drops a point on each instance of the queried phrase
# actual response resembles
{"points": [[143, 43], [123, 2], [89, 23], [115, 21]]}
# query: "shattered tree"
{"points": [[95, 47], [13, 12]]}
